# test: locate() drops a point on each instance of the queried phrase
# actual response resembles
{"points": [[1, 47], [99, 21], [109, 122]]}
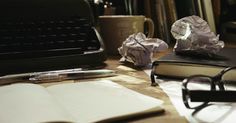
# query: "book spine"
{"points": [[147, 8], [153, 15], [171, 16], [162, 25], [216, 6], [170, 11], [208, 14], [185, 8], [198, 7]]}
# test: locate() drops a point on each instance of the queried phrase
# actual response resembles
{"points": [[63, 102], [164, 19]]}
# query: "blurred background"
{"points": [[220, 14]]}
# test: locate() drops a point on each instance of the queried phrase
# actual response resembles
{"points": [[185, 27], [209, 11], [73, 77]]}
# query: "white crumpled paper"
{"points": [[193, 33], [138, 49]]}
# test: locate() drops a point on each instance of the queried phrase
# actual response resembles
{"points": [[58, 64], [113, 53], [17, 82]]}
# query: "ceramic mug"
{"points": [[115, 29]]}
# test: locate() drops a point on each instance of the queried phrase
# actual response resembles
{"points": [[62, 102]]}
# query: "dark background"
{"points": [[224, 12]]}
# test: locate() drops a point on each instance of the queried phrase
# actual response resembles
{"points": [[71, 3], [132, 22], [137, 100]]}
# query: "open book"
{"points": [[73, 102]]}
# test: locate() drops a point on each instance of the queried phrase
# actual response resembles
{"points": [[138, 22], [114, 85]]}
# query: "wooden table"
{"points": [[136, 79], [141, 83]]}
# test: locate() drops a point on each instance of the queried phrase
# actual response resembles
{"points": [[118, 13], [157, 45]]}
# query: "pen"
{"points": [[53, 76]]}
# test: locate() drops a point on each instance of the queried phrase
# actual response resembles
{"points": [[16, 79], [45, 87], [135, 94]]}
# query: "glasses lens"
{"points": [[229, 80], [198, 83]]}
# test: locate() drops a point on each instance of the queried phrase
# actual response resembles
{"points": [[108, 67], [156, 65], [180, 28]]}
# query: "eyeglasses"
{"points": [[199, 90]]}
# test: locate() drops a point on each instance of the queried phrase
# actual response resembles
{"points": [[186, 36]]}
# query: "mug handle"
{"points": [[150, 27]]}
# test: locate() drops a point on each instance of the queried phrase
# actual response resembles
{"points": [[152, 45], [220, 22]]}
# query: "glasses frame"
{"points": [[214, 82]]}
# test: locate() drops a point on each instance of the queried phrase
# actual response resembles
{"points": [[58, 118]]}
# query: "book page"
{"points": [[99, 100], [28, 103]]}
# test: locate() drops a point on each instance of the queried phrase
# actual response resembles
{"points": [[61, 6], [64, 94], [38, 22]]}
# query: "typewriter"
{"points": [[38, 35]]}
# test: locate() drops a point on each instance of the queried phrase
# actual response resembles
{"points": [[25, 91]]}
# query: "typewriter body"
{"points": [[38, 35]]}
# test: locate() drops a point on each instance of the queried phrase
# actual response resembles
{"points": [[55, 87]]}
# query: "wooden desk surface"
{"points": [[143, 86], [138, 80]]}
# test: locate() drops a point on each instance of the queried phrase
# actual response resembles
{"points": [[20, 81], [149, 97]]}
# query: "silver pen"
{"points": [[53, 76]]}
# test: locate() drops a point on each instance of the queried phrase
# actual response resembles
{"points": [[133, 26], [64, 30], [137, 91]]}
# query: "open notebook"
{"points": [[73, 102]]}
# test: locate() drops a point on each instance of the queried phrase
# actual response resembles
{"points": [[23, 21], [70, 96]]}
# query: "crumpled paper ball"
{"points": [[138, 49], [194, 34]]}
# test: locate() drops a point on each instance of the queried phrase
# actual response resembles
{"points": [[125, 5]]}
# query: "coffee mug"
{"points": [[115, 29]]}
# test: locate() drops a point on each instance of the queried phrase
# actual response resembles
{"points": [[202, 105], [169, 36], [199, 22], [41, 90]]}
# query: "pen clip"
{"points": [[56, 75], [46, 77]]}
